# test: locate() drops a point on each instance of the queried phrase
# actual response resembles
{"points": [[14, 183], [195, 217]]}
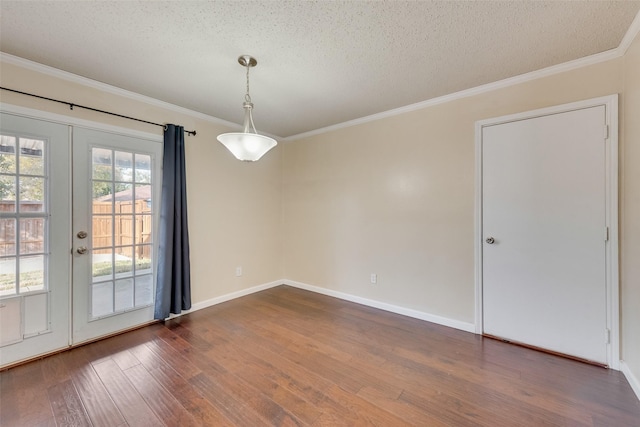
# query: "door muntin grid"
{"points": [[24, 214], [122, 224]]}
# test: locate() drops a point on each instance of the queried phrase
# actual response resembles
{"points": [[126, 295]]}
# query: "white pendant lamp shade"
{"points": [[247, 145]]}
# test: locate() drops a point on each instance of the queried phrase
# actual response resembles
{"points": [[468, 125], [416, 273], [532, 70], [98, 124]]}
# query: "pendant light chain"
{"points": [[247, 97], [247, 145]]}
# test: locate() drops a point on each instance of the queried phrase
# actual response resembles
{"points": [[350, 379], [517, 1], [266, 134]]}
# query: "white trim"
{"points": [[612, 265], [445, 321], [617, 52], [609, 101], [630, 35], [74, 78], [228, 297], [634, 382], [489, 87], [456, 324], [477, 217], [73, 121], [612, 219]]}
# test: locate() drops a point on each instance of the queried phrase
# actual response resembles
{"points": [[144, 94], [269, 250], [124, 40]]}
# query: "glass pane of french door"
{"points": [[34, 237], [116, 186], [122, 231]]}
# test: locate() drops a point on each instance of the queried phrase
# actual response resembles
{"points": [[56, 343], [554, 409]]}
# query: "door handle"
{"points": [[490, 240], [82, 234], [82, 250]]}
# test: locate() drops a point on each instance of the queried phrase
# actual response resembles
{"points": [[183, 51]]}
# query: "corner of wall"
{"points": [[630, 210]]}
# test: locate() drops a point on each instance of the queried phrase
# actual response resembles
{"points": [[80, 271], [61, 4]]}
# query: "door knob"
{"points": [[82, 250], [490, 240], [82, 234]]}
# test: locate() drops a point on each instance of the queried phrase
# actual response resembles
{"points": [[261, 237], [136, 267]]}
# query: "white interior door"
{"points": [[35, 223], [544, 225], [116, 189]]}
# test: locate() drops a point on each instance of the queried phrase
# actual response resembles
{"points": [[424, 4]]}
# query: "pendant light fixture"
{"points": [[247, 145]]}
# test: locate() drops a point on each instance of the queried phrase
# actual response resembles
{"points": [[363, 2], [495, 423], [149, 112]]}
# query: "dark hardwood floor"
{"points": [[286, 356]]}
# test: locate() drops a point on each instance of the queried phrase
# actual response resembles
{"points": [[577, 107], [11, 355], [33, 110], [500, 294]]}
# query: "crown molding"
{"points": [[74, 78], [489, 87], [630, 35]]}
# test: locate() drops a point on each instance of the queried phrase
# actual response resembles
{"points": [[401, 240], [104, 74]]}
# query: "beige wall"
{"points": [[393, 197], [234, 207], [396, 196], [630, 211]]}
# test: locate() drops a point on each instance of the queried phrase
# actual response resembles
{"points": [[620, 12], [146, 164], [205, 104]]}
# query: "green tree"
{"points": [[7, 182], [30, 187], [102, 180]]}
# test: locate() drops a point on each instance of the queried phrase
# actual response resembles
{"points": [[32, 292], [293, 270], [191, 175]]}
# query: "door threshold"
{"points": [[72, 346], [544, 350]]}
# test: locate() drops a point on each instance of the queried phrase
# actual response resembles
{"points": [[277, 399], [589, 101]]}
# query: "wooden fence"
{"points": [[31, 229], [103, 234], [123, 233]]}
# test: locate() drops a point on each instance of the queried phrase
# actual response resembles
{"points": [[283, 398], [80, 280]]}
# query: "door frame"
{"points": [[611, 212], [85, 328], [75, 122], [56, 234]]}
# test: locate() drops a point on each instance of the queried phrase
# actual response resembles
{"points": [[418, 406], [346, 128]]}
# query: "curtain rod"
{"points": [[71, 105]]}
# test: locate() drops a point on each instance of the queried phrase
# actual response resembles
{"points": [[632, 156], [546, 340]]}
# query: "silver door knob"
{"points": [[82, 234], [490, 240], [82, 250]]}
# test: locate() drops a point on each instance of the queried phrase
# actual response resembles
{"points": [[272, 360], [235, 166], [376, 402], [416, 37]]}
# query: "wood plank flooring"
{"points": [[289, 357]]}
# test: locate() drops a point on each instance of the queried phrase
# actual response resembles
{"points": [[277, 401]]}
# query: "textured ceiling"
{"points": [[319, 62]]}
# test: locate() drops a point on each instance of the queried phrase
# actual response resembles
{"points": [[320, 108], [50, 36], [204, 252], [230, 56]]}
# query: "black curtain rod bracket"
{"points": [[72, 105]]}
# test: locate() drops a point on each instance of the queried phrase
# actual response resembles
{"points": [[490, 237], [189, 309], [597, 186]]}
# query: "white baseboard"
{"points": [[228, 297], [633, 380], [464, 326], [456, 324]]}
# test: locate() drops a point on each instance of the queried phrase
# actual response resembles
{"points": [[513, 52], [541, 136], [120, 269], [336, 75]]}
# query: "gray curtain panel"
{"points": [[173, 287]]}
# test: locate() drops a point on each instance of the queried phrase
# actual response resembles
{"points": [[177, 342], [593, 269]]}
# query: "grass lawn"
{"points": [[35, 278]]}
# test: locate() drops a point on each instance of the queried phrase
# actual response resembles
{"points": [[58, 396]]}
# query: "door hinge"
{"points": [[606, 132], [607, 336], [606, 234]]}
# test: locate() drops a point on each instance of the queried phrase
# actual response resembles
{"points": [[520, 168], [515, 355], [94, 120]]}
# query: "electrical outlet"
{"points": [[374, 278], [238, 271]]}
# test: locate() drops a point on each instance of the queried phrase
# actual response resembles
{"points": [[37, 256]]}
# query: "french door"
{"points": [[78, 218], [35, 224], [116, 196]]}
